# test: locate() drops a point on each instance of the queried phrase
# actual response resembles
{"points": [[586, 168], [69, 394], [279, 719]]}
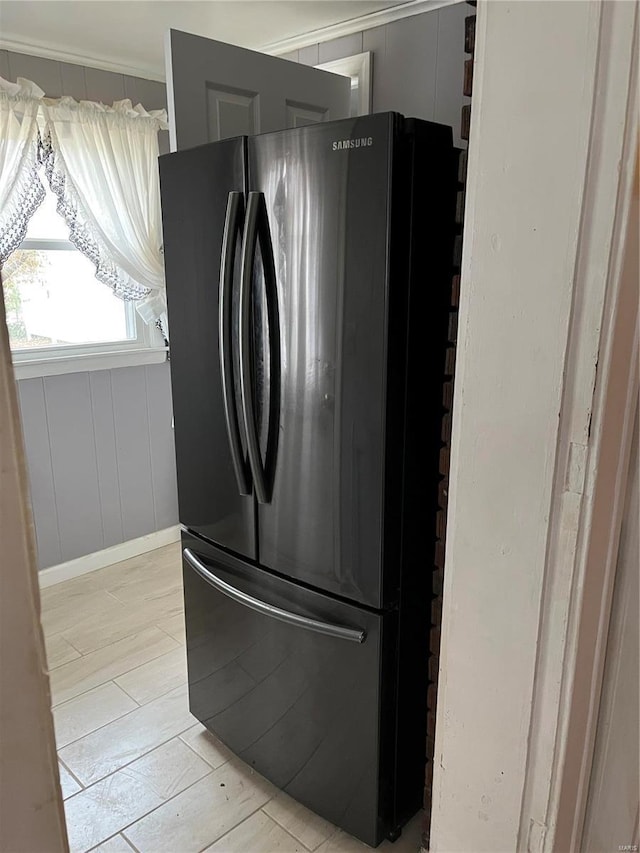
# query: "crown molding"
{"points": [[147, 72], [356, 25], [52, 51]]}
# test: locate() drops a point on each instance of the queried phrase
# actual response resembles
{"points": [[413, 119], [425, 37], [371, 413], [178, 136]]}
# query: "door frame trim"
{"points": [[610, 433]]}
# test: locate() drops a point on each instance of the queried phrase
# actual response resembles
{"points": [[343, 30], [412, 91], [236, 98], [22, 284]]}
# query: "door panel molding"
{"points": [[217, 90], [239, 101]]}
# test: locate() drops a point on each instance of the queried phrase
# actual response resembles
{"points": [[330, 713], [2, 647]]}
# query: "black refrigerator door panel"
{"points": [[327, 206], [293, 682], [198, 188]]}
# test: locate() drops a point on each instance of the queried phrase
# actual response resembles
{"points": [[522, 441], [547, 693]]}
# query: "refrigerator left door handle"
{"points": [[341, 632], [232, 228]]}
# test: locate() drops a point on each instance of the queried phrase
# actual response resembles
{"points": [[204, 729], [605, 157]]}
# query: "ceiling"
{"points": [[131, 32]]}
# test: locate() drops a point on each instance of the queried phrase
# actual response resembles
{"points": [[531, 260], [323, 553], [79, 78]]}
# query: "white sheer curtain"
{"points": [[101, 163], [21, 190]]}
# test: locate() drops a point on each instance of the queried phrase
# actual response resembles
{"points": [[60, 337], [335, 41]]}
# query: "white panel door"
{"points": [[217, 90]]}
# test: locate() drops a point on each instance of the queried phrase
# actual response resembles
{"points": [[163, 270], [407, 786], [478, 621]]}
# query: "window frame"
{"points": [[148, 346]]}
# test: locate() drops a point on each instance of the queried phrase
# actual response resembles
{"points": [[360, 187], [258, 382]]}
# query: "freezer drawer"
{"points": [[297, 684]]}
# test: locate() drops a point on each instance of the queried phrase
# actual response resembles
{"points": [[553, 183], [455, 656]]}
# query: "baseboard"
{"points": [[114, 554]]}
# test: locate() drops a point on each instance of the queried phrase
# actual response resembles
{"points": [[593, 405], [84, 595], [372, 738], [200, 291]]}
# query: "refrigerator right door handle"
{"points": [[232, 227], [341, 632], [249, 239]]}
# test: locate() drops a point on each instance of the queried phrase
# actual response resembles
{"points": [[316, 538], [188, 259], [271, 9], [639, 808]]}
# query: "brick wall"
{"points": [[438, 566]]}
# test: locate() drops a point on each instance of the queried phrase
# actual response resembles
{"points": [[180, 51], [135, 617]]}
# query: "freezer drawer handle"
{"points": [[340, 631], [232, 228]]}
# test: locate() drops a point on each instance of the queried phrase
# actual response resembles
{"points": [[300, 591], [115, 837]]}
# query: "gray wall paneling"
{"points": [[105, 436], [163, 468], [73, 461], [418, 63], [44, 72], [337, 48], [33, 412], [292, 56], [309, 55], [4, 65], [99, 445], [374, 41], [151, 94], [410, 61], [104, 86], [73, 81], [131, 416], [100, 458]]}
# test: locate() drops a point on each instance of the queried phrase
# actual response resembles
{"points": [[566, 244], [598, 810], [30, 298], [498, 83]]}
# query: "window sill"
{"points": [[34, 366]]}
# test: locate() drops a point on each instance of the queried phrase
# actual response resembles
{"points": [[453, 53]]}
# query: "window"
{"points": [[60, 317], [101, 165]]}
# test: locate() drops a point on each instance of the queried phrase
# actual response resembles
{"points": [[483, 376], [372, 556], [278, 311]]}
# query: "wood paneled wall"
{"points": [[100, 457]]}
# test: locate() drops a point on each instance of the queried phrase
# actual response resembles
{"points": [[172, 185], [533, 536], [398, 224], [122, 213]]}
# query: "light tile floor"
{"points": [[137, 771]]}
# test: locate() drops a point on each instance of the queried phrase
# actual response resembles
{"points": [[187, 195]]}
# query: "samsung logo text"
{"points": [[362, 142]]}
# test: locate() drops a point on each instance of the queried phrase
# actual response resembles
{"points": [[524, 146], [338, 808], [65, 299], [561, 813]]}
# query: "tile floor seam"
{"points": [[143, 626], [165, 632], [110, 838], [235, 826], [113, 677], [122, 829], [288, 831], [50, 639], [175, 736], [113, 720], [133, 760], [73, 775], [133, 633], [226, 761], [139, 704], [165, 585], [62, 634], [115, 597]]}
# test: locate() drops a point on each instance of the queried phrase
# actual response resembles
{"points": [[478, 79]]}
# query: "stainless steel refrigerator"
{"points": [[308, 277]]}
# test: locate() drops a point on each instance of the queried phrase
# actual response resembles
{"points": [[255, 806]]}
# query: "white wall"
{"points": [[535, 266]]}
